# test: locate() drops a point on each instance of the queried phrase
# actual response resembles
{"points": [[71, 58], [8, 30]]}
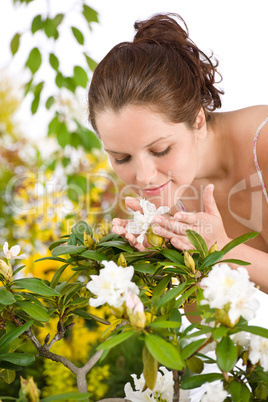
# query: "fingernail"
{"points": [[157, 230], [178, 216], [158, 220]]}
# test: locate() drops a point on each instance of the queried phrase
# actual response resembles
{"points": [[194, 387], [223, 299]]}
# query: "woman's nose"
{"points": [[146, 172]]}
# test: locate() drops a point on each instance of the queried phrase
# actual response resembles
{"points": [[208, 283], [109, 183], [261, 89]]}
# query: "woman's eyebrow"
{"points": [[146, 146]]}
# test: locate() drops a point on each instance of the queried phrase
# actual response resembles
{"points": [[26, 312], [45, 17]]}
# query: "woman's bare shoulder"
{"points": [[248, 119]]}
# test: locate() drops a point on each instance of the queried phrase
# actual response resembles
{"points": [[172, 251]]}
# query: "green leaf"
{"points": [[191, 348], [90, 14], [198, 242], [34, 60], [121, 245], [68, 396], [94, 255], [57, 275], [54, 61], [6, 297], [62, 250], [239, 391], [50, 28], [88, 316], [35, 285], [198, 380], [171, 294], [146, 268], [253, 330], [37, 93], [80, 76], [164, 352], [115, 340], [212, 259], [13, 334], [37, 23], [35, 311], [58, 19], [165, 324], [239, 240], [226, 352], [92, 64], [219, 332], [173, 256], [78, 35], [22, 359], [8, 376], [160, 288], [235, 261], [49, 102], [15, 43], [79, 228]]}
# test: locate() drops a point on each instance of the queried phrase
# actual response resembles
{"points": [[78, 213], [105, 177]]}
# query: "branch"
{"points": [[43, 351]]}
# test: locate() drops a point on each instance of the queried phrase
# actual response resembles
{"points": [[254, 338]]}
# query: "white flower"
{"points": [[112, 285], [215, 393], [163, 387], [241, 338], [258, 351], [142, 222], [225, 285], [13, 252]]}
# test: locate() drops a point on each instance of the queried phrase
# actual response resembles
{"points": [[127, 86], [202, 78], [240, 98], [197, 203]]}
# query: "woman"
{"points": [[153, 103]]}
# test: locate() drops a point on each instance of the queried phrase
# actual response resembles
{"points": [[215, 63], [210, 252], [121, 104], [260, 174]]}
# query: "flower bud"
{"points": [[29, 389], [213, 248], [222, 316], [88, 241], [135, 311], [153, 239], [150, 367], [121, 262], [189, 261], [6, 270]]}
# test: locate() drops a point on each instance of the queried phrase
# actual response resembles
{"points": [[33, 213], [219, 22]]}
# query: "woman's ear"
{"points": [[200, 125]]}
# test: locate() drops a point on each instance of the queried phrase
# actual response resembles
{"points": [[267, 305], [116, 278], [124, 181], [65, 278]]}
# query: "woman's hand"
{"points": [[119, 225], [208, 224]]}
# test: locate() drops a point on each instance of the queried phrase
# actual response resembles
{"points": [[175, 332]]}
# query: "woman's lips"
{"points": [[156, 190]]}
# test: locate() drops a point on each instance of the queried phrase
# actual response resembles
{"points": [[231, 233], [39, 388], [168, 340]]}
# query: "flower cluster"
{"points": [[112, 285], [142, 222], [230, 289], [163, 388]]}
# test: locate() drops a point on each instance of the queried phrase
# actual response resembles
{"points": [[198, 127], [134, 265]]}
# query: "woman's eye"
{"points": [[162, 153], [121, 161]]}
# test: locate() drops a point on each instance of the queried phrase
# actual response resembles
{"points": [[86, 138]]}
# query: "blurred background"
{"points": [[53, 171]]}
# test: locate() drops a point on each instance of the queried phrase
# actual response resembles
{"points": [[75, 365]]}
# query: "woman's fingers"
{"points": [[133, 203]]}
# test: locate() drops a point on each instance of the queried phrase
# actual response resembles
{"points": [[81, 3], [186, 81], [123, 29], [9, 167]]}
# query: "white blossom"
{"points": [[215, 392], [241, 338], [225, 285], [13, 252], [112, 285], [164, 387], [142, 222], [258, 351]]}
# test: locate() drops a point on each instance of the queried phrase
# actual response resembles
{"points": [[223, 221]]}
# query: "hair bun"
{"points": [[161, 28]]}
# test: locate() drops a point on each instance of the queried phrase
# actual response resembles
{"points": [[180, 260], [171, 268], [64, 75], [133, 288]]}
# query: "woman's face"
{"points": [[157, 159]]}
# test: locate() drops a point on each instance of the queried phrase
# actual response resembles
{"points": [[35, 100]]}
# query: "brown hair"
{"points": [[162, 69]]}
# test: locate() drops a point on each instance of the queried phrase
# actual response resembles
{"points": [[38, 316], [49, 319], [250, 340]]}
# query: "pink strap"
{"points": [[256, 159]]}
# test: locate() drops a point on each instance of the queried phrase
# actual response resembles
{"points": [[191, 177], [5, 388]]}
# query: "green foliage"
{"points": [[31, 302], [49, 27]]}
